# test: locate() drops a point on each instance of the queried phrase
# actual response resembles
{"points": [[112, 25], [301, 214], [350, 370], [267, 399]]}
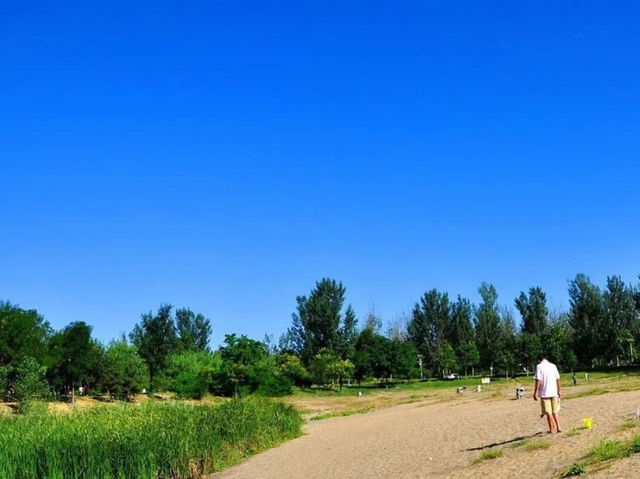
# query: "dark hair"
{"points": [[541, 357]]}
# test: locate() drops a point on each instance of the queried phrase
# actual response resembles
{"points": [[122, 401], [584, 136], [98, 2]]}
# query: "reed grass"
{"points": [[150, 441]]}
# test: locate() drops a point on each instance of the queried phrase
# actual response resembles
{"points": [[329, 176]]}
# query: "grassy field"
{"points": [[326, 402], [149, 441]]}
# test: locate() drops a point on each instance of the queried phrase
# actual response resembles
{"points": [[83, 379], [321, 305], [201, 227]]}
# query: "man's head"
{"points": [[541, 357]]}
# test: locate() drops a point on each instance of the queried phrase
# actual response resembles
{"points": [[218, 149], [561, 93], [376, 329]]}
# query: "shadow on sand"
{"points": [[508, 441]]}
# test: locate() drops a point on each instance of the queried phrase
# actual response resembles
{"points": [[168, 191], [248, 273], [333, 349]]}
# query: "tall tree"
{"points": [[586, 317], [74, 357], [429, 324], [193, 331], [533, 310], [460, 331], [348, 334], [487, 325], [22, 333], [319, 322], [155, 340], [621, 318], [124, 371]]}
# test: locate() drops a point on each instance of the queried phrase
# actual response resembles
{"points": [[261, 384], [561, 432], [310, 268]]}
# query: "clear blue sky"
{"points": [[226, 155]]}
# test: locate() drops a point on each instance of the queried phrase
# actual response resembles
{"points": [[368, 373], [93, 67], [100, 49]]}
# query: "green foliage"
{"points": [[445, 359], [194, 372], [124, 372], [487, 324], [429, 324], [75, 359], [468, 355], [574, 470], [489, 454], [245, 365], [319, 322], [155, 340], [621, 319], [151, 441], [28, 378], [22, 333], [533, 310], [608, 449], [193, 331], [586, 317], [291, 367]]}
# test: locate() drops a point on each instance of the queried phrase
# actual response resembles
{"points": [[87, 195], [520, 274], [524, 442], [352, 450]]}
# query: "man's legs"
{"points": [[550, 421], [556, 420]]}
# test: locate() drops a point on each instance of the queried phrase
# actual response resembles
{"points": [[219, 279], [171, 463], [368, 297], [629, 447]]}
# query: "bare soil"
{"points": [[445, 435]]}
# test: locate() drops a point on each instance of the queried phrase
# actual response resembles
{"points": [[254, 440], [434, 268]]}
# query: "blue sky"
{"points": [[226, 156]]}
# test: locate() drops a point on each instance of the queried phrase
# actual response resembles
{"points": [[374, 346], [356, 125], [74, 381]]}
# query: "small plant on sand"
{"points": [[574, 470], [609, 449], [573, 432], [628, 424], [534, 446], [489, 454], [520, 443]]}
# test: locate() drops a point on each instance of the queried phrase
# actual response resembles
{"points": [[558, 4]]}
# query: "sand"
{"points": [[442, 439]]}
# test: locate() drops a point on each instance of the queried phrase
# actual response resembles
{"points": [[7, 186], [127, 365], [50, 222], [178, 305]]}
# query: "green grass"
{"points": [[348, 412], [489, 454], [522, 442], [573, 432], [609, 449], [150, 441], [535, 445], [586, 392], [399, 385], [574, 470]]}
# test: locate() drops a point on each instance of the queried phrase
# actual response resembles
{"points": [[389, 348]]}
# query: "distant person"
{"points": [[575, 379], [548, 389]]}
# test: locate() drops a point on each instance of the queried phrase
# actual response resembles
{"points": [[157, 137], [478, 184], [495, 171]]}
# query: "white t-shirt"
{"points": [[547, 374]]}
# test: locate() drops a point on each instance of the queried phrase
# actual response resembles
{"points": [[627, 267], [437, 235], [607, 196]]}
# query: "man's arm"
{"points": [[559, 387], [535, 390]]}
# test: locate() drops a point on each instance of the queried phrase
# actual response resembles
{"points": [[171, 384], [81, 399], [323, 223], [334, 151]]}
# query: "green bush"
{"points": [[275, 386], [191, 385], [151, 441]]}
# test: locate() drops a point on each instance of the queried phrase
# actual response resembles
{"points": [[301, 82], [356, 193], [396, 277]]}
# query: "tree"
{"points": [[621, 318], [124, 372], [487, 325], [28, 379], [74, 358], [155, 340], [292, 368], [506, 358], [326, 365], [586, 317], [193, 331], [460, 330], [22, 333], [445, 359], [348, 334], [319, 323], [245, 365], [468, 356], [429, 324], [533, 310]]}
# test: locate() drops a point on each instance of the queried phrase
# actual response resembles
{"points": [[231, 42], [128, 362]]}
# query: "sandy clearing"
{"points": [[442, 439]]}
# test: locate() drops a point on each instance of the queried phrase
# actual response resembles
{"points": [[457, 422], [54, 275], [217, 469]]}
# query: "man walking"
{"points": [[548, 389]]}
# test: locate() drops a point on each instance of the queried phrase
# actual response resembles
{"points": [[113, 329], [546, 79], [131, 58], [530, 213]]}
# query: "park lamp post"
{"points": [[420, 364]]}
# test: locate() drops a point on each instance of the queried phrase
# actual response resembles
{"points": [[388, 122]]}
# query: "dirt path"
{"points": [[443, 439]]}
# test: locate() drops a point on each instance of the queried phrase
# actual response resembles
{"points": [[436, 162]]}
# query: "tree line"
{"points": [[169, 350]]}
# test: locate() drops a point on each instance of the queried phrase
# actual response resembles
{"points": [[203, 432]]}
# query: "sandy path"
{"points": [[423, 440]]}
